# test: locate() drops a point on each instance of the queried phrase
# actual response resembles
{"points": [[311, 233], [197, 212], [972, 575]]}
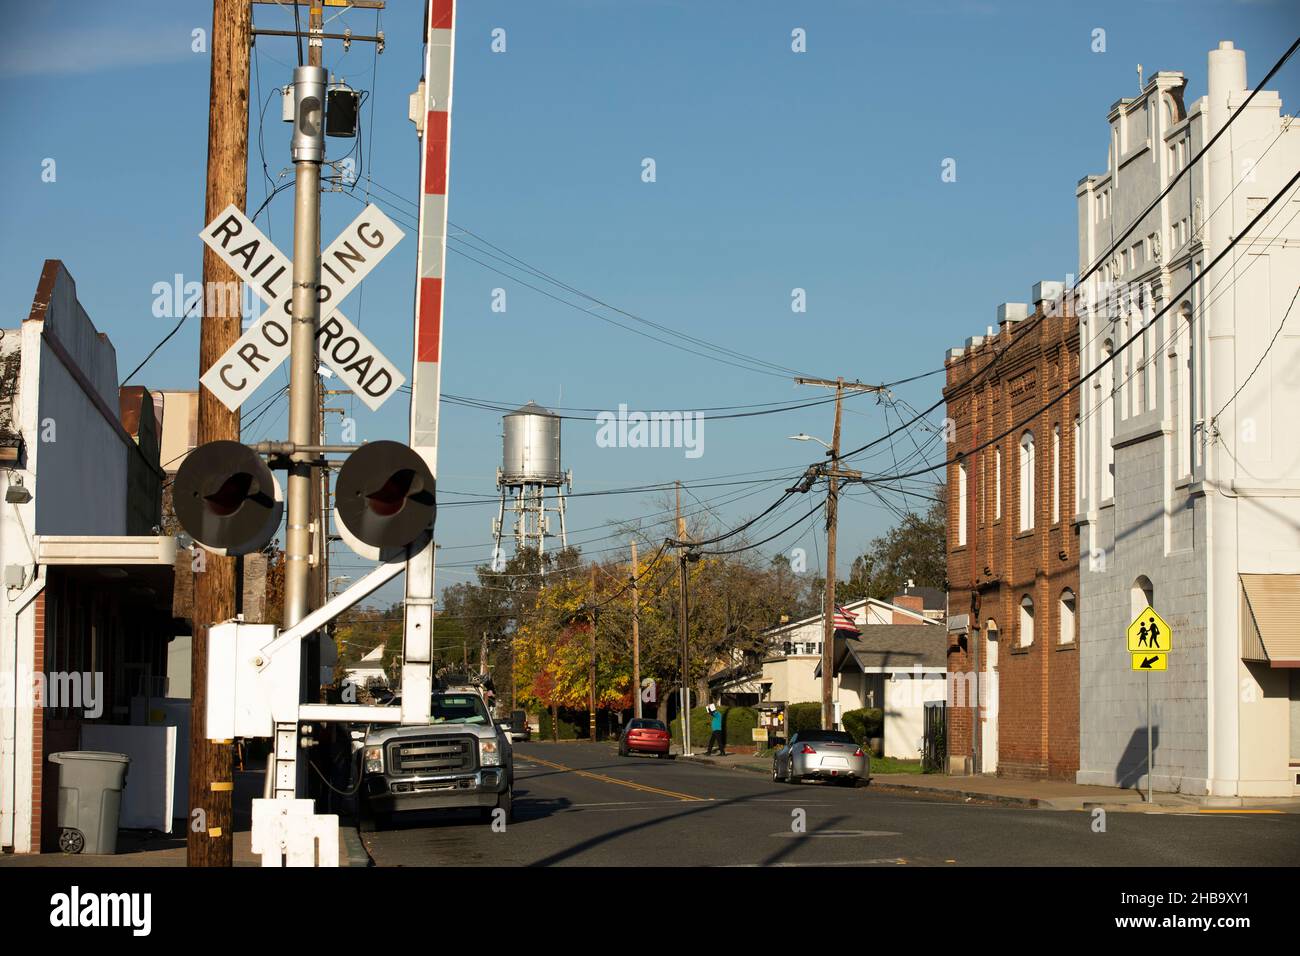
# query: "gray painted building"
{"points": [[1190, 458]]}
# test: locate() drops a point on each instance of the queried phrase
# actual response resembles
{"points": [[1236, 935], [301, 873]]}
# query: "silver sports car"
{"points": [[825, 754]]}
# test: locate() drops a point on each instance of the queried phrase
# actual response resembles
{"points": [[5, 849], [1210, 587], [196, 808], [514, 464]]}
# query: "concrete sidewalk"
{"points": [[152, 848], [1032, 794], [136, 848]]}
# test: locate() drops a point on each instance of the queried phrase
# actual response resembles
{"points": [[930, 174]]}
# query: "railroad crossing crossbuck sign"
{"points": [[1149, 641], [339, 344]]}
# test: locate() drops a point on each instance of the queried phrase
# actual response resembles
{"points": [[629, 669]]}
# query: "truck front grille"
{"points": [[432, 755]]}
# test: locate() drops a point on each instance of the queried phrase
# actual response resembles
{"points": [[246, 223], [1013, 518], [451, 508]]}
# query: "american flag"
{"points": [[845, 620]]}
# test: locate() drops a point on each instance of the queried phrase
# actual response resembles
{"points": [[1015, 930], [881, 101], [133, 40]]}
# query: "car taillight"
{"points": [[807, 749], [858, 753]]}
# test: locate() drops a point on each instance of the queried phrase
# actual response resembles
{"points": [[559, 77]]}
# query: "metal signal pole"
{"points": [[433, 122], [308, 150], [209, 840]]}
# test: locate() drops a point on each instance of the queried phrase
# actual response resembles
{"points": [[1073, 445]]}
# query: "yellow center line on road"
{"points": [[1238, 811], [622, 783]]}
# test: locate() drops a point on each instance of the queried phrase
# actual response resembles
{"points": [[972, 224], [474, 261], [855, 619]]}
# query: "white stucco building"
{"points": [[1190, 455], [87, 579]]}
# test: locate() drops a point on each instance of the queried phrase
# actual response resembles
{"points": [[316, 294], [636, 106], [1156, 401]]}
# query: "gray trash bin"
{"points": [[90, 799]]}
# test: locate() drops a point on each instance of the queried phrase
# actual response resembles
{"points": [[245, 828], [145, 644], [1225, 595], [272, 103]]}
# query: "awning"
{"points": [[1270, 619]]}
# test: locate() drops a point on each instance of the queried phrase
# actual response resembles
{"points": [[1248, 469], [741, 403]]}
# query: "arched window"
{"points": [[1026, 621], [1067, 616], [961, 504], [1027, 481], [997, 484], [1141, 596], [1077, 454], [1056, 473], [983, 492], [1189, 417], [1139, 391], [1107, 389], [1122, 382]]}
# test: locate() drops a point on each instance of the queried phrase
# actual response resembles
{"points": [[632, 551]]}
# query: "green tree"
{"points": [[916, 550]]}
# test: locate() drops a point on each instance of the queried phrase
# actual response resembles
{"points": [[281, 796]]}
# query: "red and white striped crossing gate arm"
{"points": [[431, 258]]}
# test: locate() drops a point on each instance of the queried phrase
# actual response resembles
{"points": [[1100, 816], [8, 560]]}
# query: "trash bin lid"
{"points": [[68, 756]]}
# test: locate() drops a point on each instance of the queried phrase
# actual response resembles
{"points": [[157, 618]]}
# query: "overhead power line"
{"points": [[1110, 250], [1114, 355]]}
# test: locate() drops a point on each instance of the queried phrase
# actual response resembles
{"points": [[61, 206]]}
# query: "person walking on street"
{"points": [[716, 736]]}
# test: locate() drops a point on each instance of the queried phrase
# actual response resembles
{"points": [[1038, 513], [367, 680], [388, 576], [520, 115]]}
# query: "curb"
{"points": [[1023, 803], [728, 766], [356, 849]]}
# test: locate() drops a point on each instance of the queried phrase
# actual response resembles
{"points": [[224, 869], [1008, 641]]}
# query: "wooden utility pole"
{"points": [[591, 680], [832, 526], [833, 474], [209, 839], [683, 628], [636, 637], [315, 44]]}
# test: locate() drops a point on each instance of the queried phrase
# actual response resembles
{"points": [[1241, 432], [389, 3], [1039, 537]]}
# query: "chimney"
{"points": [[1009, 312], [1047, 292], [1227, 73], [913, 602]]}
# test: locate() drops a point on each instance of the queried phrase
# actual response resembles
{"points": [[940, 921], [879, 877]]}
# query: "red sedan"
{"points": [[642, 735]]}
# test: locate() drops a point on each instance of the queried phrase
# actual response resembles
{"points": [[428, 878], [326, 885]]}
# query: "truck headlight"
{"points": [[373, 758], [489, 754]]}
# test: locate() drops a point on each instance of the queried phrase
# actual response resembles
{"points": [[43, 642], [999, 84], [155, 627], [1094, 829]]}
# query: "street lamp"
{"points": [[802, 437]]}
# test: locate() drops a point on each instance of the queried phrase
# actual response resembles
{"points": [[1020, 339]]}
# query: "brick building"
{"points": [[1013, 567]]}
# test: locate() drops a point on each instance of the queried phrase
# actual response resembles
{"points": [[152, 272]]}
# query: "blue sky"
{"points": [[775, 170]]}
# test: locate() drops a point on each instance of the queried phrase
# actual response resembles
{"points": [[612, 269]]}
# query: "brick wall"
{"points": [[999, 565], [38, 724]]}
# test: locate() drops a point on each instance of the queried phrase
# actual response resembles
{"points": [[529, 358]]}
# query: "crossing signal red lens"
{"points": [[233, 492], [391, 498]]}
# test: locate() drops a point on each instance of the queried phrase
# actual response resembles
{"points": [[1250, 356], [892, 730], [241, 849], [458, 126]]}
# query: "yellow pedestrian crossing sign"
{"points": [[1150, 634], [1150, 662]]}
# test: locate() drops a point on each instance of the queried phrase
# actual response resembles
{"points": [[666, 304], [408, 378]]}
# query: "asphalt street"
{"points": [[583, 805]]}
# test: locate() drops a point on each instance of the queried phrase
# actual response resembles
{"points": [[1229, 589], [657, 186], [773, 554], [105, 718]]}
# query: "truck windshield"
{"points": [[458, 709]]}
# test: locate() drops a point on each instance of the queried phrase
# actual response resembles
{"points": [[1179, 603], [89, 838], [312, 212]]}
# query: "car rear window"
{"points": [[826, 736], [643, 724]]}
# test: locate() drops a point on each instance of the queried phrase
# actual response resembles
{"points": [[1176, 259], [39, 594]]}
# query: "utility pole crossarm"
{"points": [[854, 386], [358, 4]]}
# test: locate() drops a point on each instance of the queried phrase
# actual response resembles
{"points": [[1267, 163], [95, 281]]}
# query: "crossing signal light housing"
{"points": [[384, 499], [227, 499]]}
